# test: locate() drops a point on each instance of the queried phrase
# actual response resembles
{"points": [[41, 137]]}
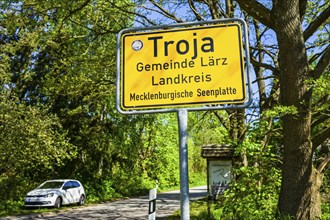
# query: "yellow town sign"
{"points": [[182, 67]]}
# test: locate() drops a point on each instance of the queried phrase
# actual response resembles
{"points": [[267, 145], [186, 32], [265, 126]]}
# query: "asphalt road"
{"points": [[134, 208]]}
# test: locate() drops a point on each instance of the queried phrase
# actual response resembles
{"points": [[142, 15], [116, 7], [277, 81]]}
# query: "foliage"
{"points": [[58, 117], [33, 145], [10, 206], [254, 192], [200, 210], [325, 211], [57, 104], [325, 192], [252, 196]]}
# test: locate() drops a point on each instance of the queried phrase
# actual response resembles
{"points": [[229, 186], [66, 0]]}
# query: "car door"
{"points": [[68, 193], [75, 191]]}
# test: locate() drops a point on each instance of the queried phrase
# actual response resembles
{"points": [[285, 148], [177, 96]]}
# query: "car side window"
{"points": [[67, 185], [75, 184]]}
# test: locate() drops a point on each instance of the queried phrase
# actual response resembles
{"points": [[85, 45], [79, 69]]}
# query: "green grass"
{"points": [[201, 210], [11, 208], [205, 209], [17, 208]]}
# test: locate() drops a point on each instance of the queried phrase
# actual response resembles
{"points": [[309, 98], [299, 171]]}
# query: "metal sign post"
{"points": [[183, 154]]}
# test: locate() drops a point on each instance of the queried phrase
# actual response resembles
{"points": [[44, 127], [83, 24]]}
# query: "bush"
{"points": [[10, 206], [253, 196]]}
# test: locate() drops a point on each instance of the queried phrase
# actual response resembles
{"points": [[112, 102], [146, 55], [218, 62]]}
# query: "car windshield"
{"points": [[51, 185]]}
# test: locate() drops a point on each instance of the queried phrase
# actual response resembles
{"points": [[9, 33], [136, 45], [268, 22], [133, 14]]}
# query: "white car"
{"points": [[56, 193]]}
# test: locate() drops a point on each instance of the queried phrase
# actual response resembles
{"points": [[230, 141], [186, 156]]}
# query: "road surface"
{"points": [[134, 208]]}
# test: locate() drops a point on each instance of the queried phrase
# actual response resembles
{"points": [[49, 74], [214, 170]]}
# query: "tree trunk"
{"points": [[298, 181], [316, 181]]}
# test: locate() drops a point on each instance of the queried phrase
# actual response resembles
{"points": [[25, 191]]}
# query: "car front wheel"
{"points": [[81, 200], [58, 202]]}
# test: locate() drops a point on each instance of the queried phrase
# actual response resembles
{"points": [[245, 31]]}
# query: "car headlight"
{"points": [[50, 194]]}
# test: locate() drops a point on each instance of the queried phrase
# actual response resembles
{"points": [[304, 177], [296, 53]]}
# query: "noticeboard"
{"points": [[180, 66], [219, 174]]}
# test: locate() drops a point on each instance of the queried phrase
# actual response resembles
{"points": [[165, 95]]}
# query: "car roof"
{"points": [[62, 180]]}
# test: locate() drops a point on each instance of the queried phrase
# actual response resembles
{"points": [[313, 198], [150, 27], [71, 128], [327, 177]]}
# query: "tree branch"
{"points": [[221, 119], [320, 119], [193, 8], [216, 13], [322, 101], [79, 8], [320, 138], [229, 8], [257, 11], [324, 163], [71, 12], [267, 52], [314, 57], [135, 14], [165, 12], [264, 65], [91, 29], [322, 64], [310, 30]]}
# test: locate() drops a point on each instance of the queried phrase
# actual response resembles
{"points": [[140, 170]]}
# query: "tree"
{"points": [[31, 140], [300, 179], [57, 63], [57, 75], [57, 66]]}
